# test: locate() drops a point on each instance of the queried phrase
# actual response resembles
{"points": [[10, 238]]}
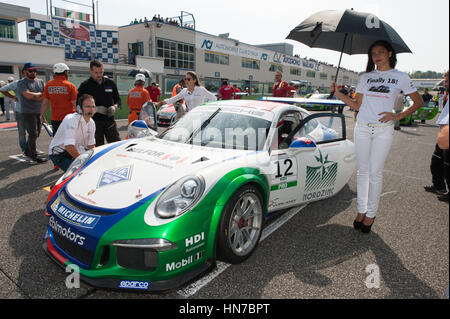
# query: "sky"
{"points": [[423, 25]]}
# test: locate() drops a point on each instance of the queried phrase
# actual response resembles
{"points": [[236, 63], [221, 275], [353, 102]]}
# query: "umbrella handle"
{"points": [[339, 65]]}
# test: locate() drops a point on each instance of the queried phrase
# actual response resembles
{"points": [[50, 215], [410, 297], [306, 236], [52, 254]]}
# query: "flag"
{"points": [[72, 14]]}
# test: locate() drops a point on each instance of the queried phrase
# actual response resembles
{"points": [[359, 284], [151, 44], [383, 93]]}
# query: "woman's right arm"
{"points": [[177, 97], [355, 105]]}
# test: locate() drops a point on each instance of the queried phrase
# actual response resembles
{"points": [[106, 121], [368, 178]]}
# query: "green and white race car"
{"points": [[155, 211]]}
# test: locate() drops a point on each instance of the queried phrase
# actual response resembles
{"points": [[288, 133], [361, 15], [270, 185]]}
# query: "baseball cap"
{"points": [[10, 79], [60, 68], [140, 77], [29, 65]]}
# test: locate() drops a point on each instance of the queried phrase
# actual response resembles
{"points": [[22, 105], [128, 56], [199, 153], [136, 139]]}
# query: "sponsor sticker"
{"points": [[184, 262], [73, 217], [66, 232], [126, 284], [115, 175]]}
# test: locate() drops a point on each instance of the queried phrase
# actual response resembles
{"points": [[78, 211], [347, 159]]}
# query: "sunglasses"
{"points": [[188, 79], [32, 70]]}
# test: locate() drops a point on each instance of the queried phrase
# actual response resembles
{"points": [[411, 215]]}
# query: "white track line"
{"points": [[194, 287]]}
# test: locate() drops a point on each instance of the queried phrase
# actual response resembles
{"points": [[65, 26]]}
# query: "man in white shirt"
{"points": [[75, 135]]}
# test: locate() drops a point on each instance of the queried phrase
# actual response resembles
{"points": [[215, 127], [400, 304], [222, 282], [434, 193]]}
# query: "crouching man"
{"points": [[75, 135]]}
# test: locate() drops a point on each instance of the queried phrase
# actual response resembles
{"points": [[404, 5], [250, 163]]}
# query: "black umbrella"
{"points": [[346, 31]]}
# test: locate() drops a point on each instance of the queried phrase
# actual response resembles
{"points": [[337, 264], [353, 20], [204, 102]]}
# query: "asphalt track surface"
{"points": [[309, 253]]}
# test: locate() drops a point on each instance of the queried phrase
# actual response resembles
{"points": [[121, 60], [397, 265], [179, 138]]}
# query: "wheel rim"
{"points": [[245, 224]]}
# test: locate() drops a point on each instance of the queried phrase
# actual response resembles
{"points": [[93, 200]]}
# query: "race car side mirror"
{"points": [[302, 144]]}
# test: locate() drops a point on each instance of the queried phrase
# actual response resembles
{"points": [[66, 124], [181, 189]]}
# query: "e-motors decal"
{"points": [[320, 180], [66, 232], [115, 175], [74, 217]]}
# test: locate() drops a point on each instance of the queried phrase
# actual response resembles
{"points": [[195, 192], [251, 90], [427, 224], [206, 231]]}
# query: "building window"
{"points": [[323, 76], [7, 69], [176, 54], [212, 85], [296, 71], [311, 74], [217, 58], [346, 79], [275, 67], [7, 29], [250, 64]]}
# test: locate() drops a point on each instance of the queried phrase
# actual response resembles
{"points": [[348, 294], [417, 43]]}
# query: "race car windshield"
{"points": [[219, 129]]}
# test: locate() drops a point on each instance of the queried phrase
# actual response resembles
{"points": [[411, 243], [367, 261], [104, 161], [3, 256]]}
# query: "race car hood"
{"points": [[139, 168]]}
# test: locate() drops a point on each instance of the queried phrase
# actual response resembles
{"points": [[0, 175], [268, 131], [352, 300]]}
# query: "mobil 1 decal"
{"points": [[284, 173], [320, 178]]}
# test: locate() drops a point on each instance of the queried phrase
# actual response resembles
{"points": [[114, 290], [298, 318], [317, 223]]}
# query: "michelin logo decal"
{"points": [[76, 218]]}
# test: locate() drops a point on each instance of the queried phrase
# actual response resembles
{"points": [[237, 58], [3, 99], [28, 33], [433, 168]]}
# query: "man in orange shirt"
{"points": [[137, 97], [179, 85], [61, 94]]}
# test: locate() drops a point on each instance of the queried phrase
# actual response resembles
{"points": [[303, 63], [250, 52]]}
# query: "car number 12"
{"points": [[285, 168]]}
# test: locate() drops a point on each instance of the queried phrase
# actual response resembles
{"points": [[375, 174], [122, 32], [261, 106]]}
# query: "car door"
{"points": [[284, 167], [325, 158]]}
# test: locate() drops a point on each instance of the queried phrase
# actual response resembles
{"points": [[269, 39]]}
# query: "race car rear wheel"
{"points": [[241, 225]]}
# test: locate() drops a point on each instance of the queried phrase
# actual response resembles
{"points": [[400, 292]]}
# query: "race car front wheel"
{"points": [[241, 225]]}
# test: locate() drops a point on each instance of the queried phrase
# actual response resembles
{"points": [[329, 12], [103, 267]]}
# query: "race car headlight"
{"points": [[180, 196], [77, 163]]}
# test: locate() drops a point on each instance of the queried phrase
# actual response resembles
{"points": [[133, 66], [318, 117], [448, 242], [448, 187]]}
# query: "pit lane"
{"points": [[311, 252]]}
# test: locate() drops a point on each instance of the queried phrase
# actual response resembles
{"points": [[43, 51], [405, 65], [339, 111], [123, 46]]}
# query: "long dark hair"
{"points": [[392, 60]]}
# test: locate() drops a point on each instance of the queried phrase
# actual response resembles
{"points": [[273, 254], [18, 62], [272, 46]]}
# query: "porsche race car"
{"points": [[154, 211]]}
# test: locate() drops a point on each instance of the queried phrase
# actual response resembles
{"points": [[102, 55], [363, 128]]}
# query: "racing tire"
{"points": [[240, 226]]}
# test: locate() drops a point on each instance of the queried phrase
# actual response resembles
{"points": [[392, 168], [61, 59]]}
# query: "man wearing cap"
{"points": [[107, 99], [137, 97], [61, 94], [29, 93]]}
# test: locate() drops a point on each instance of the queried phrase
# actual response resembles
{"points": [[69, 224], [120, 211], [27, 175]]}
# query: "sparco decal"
{"points": [[66, 232], [133, 284], [184, 262]]}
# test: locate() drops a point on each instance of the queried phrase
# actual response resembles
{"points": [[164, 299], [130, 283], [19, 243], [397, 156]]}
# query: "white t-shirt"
{"points": [[379, 90], [73, 131], [443, 118], [194, 99]]}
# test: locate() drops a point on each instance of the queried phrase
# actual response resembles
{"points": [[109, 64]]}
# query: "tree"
{"points": [[425, 75]]}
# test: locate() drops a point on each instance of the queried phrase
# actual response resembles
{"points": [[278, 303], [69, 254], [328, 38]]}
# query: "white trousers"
{"points": [[372, 146]]}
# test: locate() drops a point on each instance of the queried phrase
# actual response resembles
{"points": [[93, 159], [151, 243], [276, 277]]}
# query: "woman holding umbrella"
{"points": [[374, 130]]}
